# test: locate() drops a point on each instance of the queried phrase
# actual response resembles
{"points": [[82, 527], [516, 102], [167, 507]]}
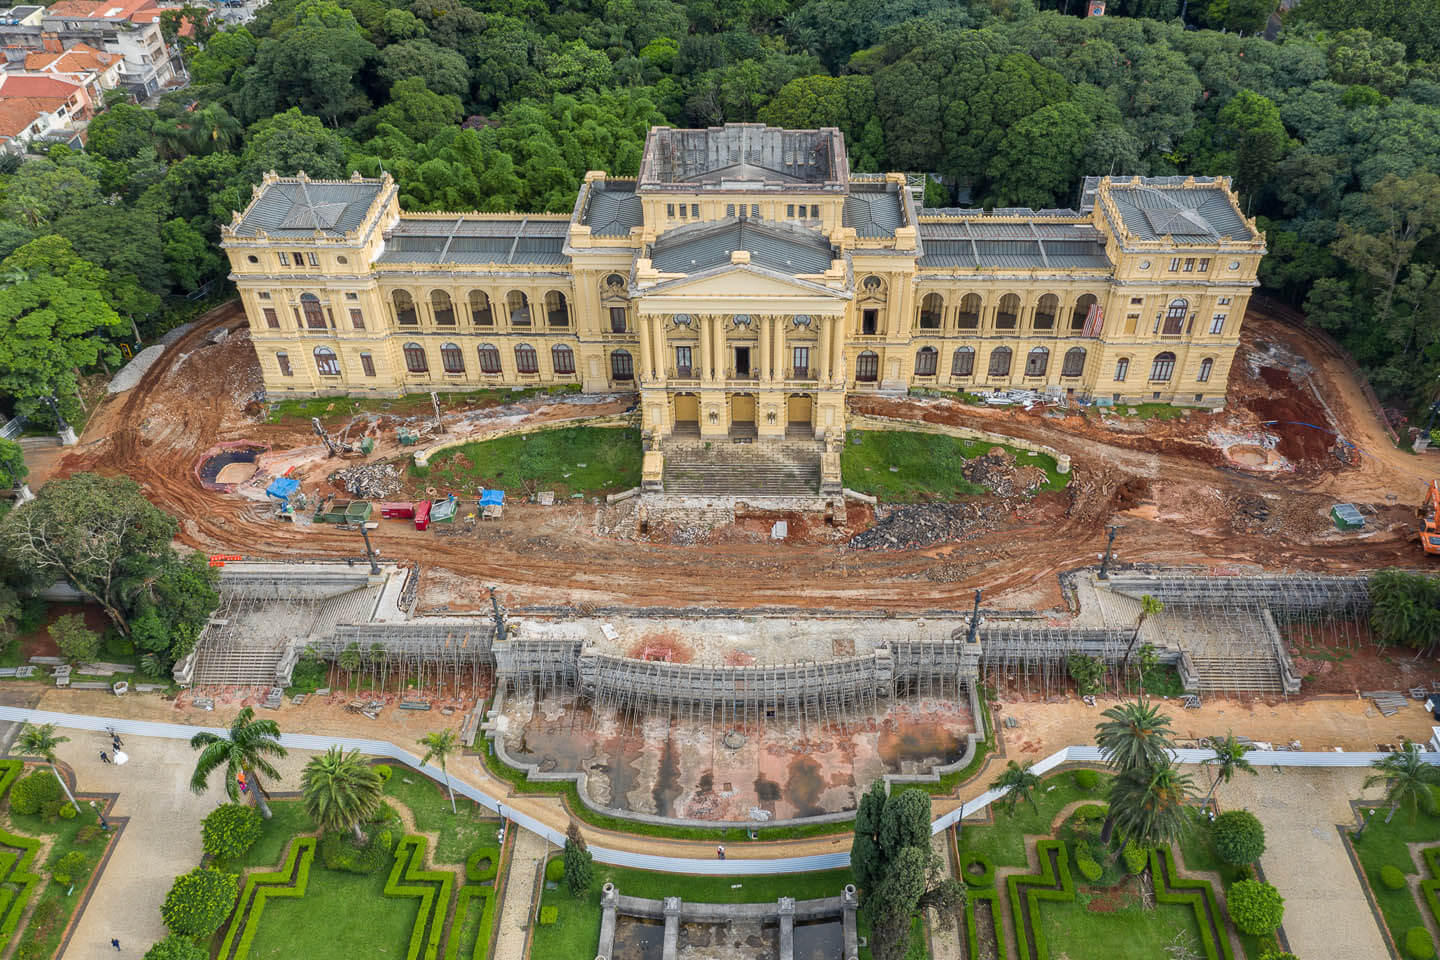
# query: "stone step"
{"points": [[1228, 674], [236, 667]]}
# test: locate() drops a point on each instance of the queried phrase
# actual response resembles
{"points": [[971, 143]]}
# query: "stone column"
{"points": [[644, 374], [837, 351], [849, 905], [609, 900], [786, 909], [657, 329], [722, 360], [706, 343], [671, 948], [781, 361], [826, 323], [766, 322]]}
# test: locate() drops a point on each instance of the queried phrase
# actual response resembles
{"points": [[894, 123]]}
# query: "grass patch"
{"points": [[576, 932], [1129, 933], [323, 923], [545, 460], [1148, 411], [1384, 844], [459, 832], [301, 409], [928, 465], [1004, 843]]}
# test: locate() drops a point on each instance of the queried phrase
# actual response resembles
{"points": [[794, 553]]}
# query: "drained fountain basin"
{"points": [[227, 465]]}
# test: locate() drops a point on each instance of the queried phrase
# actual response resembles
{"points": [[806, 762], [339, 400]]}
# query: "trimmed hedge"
{"points": [[1196, 894], [972, 932], [1089, 811], [17, 858], [260, 887], [548, 916], [1418, 945], [1087, 866], [408, 878], [1136, 858], [985, 878], [1256, 908], [1056, 887], [1086, 780], [1392, 877], [474, 871], [37, 789], [555, 870]]}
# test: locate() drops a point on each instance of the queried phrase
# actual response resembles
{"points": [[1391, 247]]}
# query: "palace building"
{"points": [[744, 283]]}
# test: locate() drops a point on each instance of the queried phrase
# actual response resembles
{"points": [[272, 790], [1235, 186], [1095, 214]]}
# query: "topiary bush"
{"points": [[1392, 877], [384, 771], [1086, 779], [1239, 837], [176, 947], [70, 867], [68, 811], [1418, 945], [1136, 858], [480, 865], [984, 877], [555, 870], [33, 791], [1089, 869], [1257, 908], [1089, 811], [200, 901], [230, 830], [548, 916]]}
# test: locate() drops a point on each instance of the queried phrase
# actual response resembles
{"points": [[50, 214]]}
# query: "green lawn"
{"points": [[460, 832], [338, 409], [1004, 843], [586, 460], [1383, 844], [928, 466], [1148, 411], [341, 915], [1087, 934]]}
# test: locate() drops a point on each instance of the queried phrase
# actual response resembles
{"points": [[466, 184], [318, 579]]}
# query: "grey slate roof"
{"points": [[786, 250], [873, 213], [1163, 206], [743, 153], [613, 209], [968, 244], [475, 240], [296, 209]]}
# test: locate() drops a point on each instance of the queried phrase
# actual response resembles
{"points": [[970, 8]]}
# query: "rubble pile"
{"points": [[370, 481], [922, 524], [997, 471]]}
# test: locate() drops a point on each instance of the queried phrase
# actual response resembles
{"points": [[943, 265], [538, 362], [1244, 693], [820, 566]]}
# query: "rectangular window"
{"points": [[694, 211], [729, 209], [1223, 301], [755, 210], [814, 211], [1206, 366], [617, 319], [367, 364], [683, 369], [1217, 323], [1132, 316], [869, 322], [314, 260], [1174, 264], [1122, 368], [357, 319], [352, 296], [802, 363], [284, 259], [299, 257], [789, 209], [1204, 264], [682, 211], [284, 362], [272, 319], [263, 295], [1189, 264], [670, 210], [1136, 301]]}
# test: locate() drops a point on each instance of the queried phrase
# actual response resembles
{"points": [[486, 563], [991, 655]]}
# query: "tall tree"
{"points": [[1228, 760], [1149, 607], [1407, 778], [340, 791], [1249, 126], [441, 745], [248, 747], [1148, 804], [39, 740], [1380, 236], [1021, 784], [1134, 737]]}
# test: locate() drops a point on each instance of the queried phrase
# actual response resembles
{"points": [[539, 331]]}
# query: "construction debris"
{"points": [[923, 524], [371, 481], [997, 471], [1388, 702]]}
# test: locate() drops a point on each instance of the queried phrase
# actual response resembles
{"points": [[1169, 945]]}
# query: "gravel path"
{"points": [[517, 908]]}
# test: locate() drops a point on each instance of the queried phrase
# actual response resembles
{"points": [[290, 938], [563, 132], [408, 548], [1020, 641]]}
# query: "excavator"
{"points": [[1429, 514]]}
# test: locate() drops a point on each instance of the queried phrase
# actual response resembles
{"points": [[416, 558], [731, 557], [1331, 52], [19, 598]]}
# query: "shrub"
{"points": [[1090, 811], [1239, 837], [176, 947], [1086, 779], [76, 641], [480, 865], [200, 901], [555, 870], [70, 867], [338, 852], [1278, 955], [1257, 908], [548, 916], [383, 771], [45, 917], [385, 840], [118, 645], [230, 829], [1392, 877], [33, 790], [385, 814], [50, 809], [985, 877], [1089, 869], [1136, 858], [87, 833], [1418, 945], [579, 865], [68, 811]]}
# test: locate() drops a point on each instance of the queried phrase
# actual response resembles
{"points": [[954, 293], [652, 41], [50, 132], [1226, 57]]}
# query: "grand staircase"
{"points": [[1237, 674], [239, 666], [759, 468]]}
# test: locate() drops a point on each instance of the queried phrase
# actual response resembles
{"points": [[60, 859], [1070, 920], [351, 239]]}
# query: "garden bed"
{"points": [[1388, 845]]}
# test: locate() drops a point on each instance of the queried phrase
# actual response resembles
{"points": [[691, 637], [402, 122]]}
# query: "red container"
{"points": [[422, 514], [397, 511]]}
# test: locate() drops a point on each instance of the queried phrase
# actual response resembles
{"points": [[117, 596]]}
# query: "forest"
{"points": [[1331, 131]]}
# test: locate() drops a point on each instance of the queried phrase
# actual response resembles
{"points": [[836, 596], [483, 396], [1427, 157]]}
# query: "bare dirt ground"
{"points": [[1168, 483]]}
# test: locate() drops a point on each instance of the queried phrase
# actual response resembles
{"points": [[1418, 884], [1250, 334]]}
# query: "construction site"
{"points": [[758, 658]]}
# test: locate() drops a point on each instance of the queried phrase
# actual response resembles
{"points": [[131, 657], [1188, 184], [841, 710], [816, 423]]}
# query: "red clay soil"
{"points": [[39, 644], [1300, 423], [1167, 484]]}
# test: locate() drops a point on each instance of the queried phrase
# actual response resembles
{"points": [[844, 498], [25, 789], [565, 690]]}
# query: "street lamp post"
{"points": [[1104, 573]]}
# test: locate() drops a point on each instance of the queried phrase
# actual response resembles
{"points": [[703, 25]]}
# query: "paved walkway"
{"points": [[515, 910], [1326, 912], [161, 840], [945, 938]]}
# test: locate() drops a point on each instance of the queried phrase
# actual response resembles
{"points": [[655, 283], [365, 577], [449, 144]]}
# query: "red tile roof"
{"points": [[12, 86], [17, 113], [78, 59]]}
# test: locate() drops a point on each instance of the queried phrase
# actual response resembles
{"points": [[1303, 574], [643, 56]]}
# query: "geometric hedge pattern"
{"points": [[17, 855]]}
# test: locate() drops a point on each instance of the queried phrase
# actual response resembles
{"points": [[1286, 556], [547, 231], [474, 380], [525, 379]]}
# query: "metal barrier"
{"points": [[646, 861]]}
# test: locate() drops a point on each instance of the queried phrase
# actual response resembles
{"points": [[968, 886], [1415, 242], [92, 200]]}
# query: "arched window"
{"points": [[326, 362], [1074, 362], [872, 286], [557, 311], [519, 306], [1007, 312], [480, 313], [489, 358], [1162, 367], [1206, 367], [444, 310], [1036, 362], [963, 363], [1082, 311], [314, 313], [1000, 362], [932, 311], [404, 308], [1175, 316], [415, 360], [926, 360], [525, 359], [563, 359], [283, 360], [969, 315], [867, 367], [622, 367], [1045, 311], [452, 359], [1122, 369]]}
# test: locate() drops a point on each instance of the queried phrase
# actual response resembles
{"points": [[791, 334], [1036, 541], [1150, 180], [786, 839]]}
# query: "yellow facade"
{"points": [[746, 282]]}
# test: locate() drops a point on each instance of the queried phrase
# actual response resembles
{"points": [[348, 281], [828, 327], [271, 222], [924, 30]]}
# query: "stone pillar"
{"points": [[609, 900], [777, 352], [786, 908], [722, 359], [706, 343], [671, 949], [849, 904], [67, 432], [826, 323], [23, 494], [657, 329], [837, 351], [646, 366], [766, 322]]}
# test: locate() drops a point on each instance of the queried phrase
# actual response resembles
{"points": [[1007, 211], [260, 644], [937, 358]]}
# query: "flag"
{"points": [[1094, 321]]}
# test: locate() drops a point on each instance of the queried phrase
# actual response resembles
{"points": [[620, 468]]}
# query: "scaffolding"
{"points": [[536, 666], [1037, 656], [431, 653]]}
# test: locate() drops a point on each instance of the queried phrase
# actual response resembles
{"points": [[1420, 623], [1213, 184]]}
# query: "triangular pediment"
{"points": [[742, 281]]}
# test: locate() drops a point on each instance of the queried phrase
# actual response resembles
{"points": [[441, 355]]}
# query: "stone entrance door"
{"points": [[799, 410], [687, 413], [742, 408]]}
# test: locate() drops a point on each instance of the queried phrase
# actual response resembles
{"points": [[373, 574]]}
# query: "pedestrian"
{"points": [[720, 851], [116, 742], [115, 942], [104, 757]]}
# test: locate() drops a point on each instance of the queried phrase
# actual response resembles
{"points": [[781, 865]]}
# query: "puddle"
{"points": [[916, 747], [819, 939], [804, 786], [637, 938]]}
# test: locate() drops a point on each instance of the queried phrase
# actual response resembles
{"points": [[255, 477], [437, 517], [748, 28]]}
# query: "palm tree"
{"points": [[1228, 760], [1133, 736], [1022, 783], [213, 128], [350, 662], [39, 740], [1406, 777], [440, 746], [1149, 606], [341, 791], [247, 747], [1148, 804]]}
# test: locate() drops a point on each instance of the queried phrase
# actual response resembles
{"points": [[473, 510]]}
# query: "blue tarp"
{"points": [[281, 488], [492, 498]]}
